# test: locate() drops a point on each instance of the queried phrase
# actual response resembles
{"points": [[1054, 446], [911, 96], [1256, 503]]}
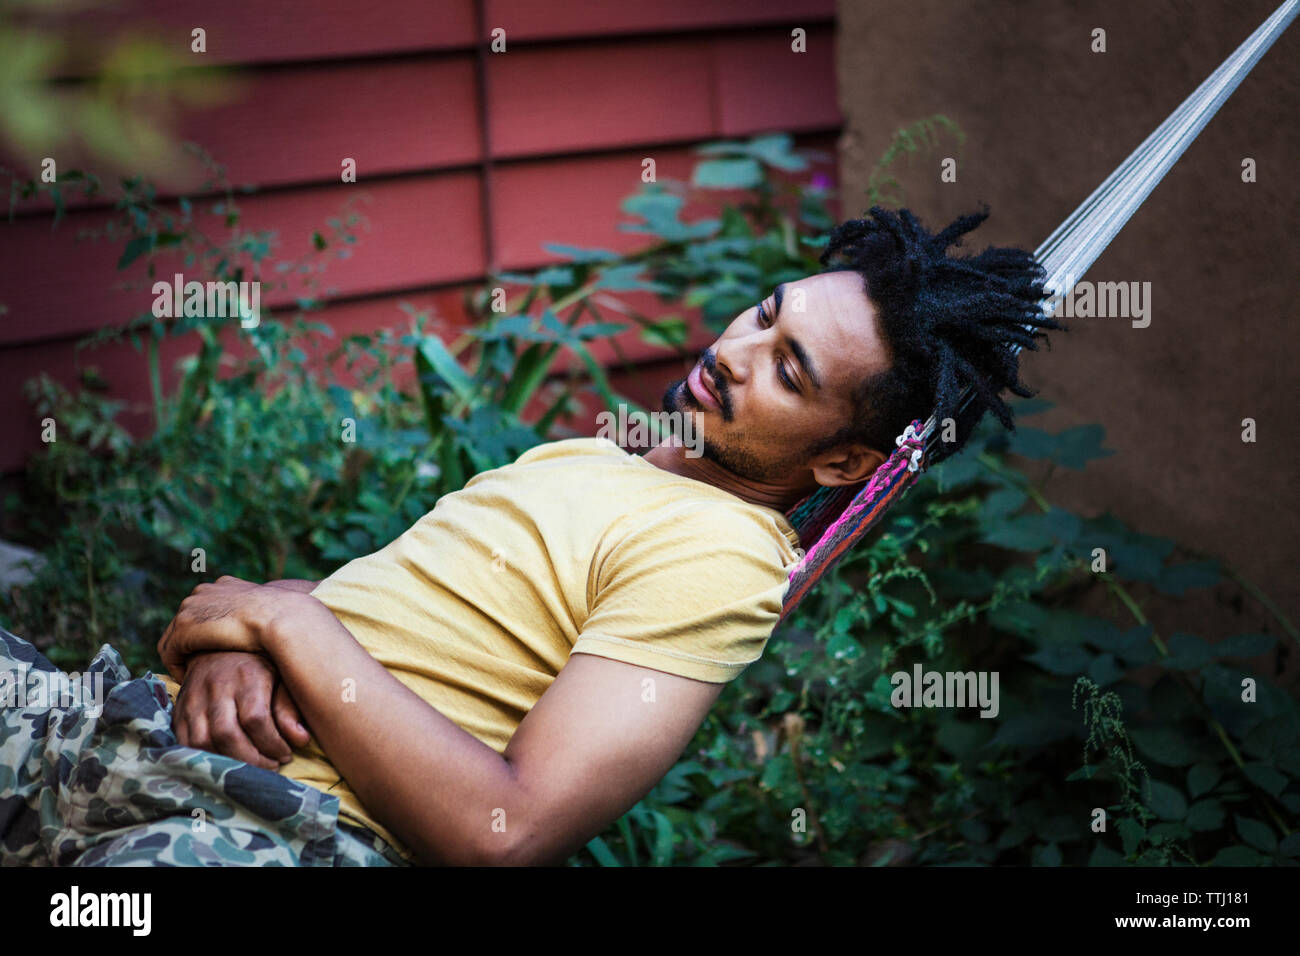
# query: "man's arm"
{"points": [[295, 584], [601, 736], [233, 703]]}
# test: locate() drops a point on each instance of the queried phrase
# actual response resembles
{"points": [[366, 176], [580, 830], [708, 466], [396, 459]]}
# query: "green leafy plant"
{"points": [[923, 136]]}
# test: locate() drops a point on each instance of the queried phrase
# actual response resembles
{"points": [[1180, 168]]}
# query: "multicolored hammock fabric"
{"points": [[832, 520]]}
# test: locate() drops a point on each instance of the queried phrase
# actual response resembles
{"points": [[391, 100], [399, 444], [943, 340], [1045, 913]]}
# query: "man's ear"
{"points": [[849, 464]]}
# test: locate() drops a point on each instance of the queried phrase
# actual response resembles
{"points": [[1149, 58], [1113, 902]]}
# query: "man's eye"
{"points": [[785, 379]]}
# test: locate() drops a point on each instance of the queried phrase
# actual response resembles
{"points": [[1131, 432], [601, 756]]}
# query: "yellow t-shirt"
{"points": [[576, 548]]}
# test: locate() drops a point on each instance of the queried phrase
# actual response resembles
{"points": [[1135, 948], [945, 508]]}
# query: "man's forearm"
{"points": [[295, 584], [440, 789]]}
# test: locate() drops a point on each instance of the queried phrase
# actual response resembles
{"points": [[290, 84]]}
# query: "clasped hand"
{"points": [[225, 615], [232, 701]]}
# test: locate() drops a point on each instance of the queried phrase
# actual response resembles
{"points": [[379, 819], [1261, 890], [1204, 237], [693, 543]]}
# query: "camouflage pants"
{"points": [[99, 779]]}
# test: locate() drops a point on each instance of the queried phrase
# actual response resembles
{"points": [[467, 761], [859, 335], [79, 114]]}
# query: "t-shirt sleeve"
{"points": [[695, 591]]}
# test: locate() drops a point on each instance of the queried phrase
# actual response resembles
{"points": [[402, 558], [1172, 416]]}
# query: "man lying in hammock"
{"points": [[514, 672]]}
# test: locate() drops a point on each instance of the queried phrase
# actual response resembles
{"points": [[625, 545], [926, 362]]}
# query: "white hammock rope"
{"points": [[1077, 243]]}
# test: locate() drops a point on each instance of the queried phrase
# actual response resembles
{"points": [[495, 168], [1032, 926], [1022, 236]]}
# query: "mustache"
{"points": [[710, 362]]}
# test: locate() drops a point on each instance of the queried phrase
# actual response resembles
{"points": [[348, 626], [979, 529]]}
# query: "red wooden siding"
{"points": [[584, 92]]}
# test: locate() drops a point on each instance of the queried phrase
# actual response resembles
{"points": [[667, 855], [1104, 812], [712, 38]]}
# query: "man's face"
{"points": [[781, 379]]}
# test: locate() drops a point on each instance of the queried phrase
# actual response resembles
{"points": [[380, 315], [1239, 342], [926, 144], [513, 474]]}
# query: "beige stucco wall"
{"points": [[1046, 120]]}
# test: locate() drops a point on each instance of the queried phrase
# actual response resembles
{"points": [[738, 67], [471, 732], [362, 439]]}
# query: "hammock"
{"points": [[835, 519]]}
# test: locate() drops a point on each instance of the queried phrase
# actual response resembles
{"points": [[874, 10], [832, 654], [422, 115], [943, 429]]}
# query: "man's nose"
{"points": [[731, 357]]}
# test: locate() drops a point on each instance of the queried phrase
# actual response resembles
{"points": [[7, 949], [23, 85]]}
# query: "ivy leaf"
{"points": [[1100, 633], [1261, 740], [1024, 407], [1170, 831], [1257, 834], [558, 276], [902, 607], [1032, 730], [1265, 777], [1025, 618], [1069, 659], [776, 149], [1288, 758], [1164, 745], [1245, 645], [1202, 778], [843, 647], [1205, 815], [134, 250], [781, 702], [1104, 856], [845, 618], [1049, 855], [1131, 834], [727, 174], [960, 738], [1168, 803], [1061, 828], [667, 332], [1063, 525], [1187, 652], [1131, 556], [1002, 503], [1072, 448], [1222, 688], [1013, 835], [578, 254], [594, 330], [660, 211], [962, 469], [1105, 670], [627, 278], [1021, 533], [1181, 578], [1238, 856]]}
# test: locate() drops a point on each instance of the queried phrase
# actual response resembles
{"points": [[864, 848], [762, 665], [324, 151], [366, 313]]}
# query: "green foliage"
{"points": [[772, 234], [922, 136]]}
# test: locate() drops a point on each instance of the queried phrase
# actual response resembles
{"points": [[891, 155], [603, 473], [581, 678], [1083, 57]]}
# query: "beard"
{"points": [[733, 457]]}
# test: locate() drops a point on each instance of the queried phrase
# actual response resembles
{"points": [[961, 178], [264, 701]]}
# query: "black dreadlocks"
{"points": [[946, 321]]}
